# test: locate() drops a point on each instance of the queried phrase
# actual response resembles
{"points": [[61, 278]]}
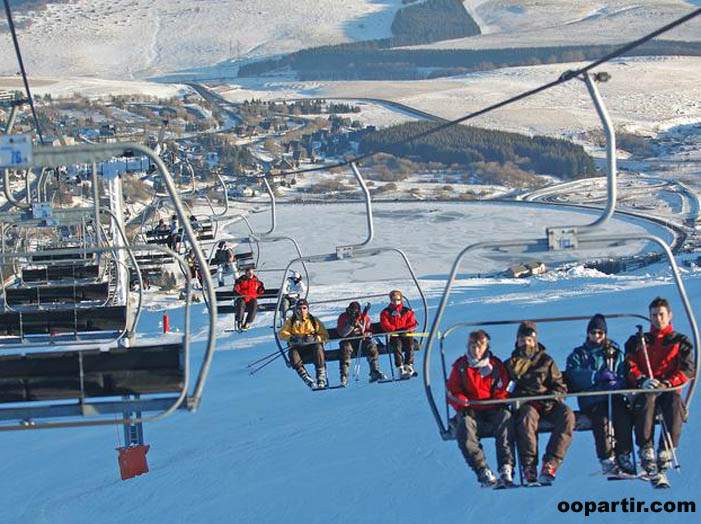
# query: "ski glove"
{"points": [[604, 376], [652, 383]]}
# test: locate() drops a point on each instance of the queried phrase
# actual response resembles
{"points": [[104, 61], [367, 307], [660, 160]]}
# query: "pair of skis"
{"points": [[658, 481]]}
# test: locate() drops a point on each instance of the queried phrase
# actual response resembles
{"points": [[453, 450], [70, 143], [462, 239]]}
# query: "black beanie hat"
{"points": [[598, 321], [527, 329]]}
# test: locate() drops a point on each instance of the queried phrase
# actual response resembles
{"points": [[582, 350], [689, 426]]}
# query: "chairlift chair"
{"points": [[569, 239], [346, 254]]}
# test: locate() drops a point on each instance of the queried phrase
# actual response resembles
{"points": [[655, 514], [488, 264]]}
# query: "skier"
{"points": [[293, 289], [249, 289], [224, 258], [479, 375], [397, 317], [356, 329], [533, 372], [662, 358], [596, 365], [172, 240], [306, 333]]}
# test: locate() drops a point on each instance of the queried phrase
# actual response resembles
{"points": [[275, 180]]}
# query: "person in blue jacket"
{"points": [[598, 365]]}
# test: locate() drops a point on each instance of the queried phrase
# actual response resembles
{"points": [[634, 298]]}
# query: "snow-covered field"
{"points": [[126, 39], [530, 23], [264, 449], [640, 96]]}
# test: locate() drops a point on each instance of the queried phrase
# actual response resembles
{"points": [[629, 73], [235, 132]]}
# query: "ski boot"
{"points": [[547, 474], [608, 466], [308, 380], [321, 379], [648, 462], [530, 475], [486, 478], [624, 463], [506, 477], [376, 374]]}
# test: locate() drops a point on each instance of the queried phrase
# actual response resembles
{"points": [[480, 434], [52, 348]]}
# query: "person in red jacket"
{"points": [[249, 289], [356, 329], [397, 317], [479, 375], [664, 360]]}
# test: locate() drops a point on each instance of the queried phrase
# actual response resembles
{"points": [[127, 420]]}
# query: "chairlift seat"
{"points": [[122, 371], [55, 273], [38, 322], [57, 294]]}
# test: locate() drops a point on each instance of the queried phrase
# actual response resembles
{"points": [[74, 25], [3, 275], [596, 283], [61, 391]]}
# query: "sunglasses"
{"points": [[302, 307], [597, 332]]}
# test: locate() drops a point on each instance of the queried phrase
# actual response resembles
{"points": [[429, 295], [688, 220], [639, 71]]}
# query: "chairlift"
{"points": [[346, 254], [88, 386], [567, 239]]}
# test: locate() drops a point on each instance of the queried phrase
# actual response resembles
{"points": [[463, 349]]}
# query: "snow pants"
{"points": [[622, 420], [474, 424], [527, 418], [250, 308], [348, 347], [644, 407], [317, 352], [400, 344]]}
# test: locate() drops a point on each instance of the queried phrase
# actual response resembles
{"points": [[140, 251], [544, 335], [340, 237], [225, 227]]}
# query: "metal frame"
{"points": [[93, 153], [351, 251], [566, 238]]}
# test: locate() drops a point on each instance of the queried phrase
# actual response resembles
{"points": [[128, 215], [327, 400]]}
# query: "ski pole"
{"points": [[663, 425], [276, 352], [256, 370], [612, 440]]}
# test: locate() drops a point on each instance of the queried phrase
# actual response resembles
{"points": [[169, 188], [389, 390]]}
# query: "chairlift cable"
{"points": [[565, 77], [11, 25]]}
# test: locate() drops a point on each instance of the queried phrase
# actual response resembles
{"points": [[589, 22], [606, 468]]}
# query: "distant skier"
{"points": [[355, 327], [533, 372], [397, 317], [293, 290], [172, 240], [306, 334], [662, 359], [596, 365], [224, 258], [479, 375], [249, 289]]}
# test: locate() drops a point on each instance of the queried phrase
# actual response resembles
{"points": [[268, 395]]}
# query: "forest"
{"points": [[473, 146], [373, 60]]}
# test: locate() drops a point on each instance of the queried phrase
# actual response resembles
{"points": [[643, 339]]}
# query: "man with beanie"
{"points": [[533, 373], [598, 365], [356, 329], [479, 375], [662, 359]]}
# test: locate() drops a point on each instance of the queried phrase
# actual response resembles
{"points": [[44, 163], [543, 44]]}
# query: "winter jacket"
{"points": [[542, 377], [299, 329], [585, 362], [397, 318], [344, 326], [294, 289], [467, 383], [249, 288], [670, 354]]}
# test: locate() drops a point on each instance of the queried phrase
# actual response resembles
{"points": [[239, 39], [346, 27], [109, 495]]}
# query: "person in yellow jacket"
{"points": [[306, 333]]}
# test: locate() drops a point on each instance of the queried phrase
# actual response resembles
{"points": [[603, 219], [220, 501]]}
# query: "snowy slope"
{"points": [[125, 39], [264, 449]]}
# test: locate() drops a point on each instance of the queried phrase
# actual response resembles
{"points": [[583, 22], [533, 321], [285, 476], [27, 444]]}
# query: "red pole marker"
{"points": [[166, 323]]}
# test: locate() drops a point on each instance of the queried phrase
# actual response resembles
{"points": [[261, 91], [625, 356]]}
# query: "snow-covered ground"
{"points": [[126, 39], [640, 96], [530, 23], [264, 449]]}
